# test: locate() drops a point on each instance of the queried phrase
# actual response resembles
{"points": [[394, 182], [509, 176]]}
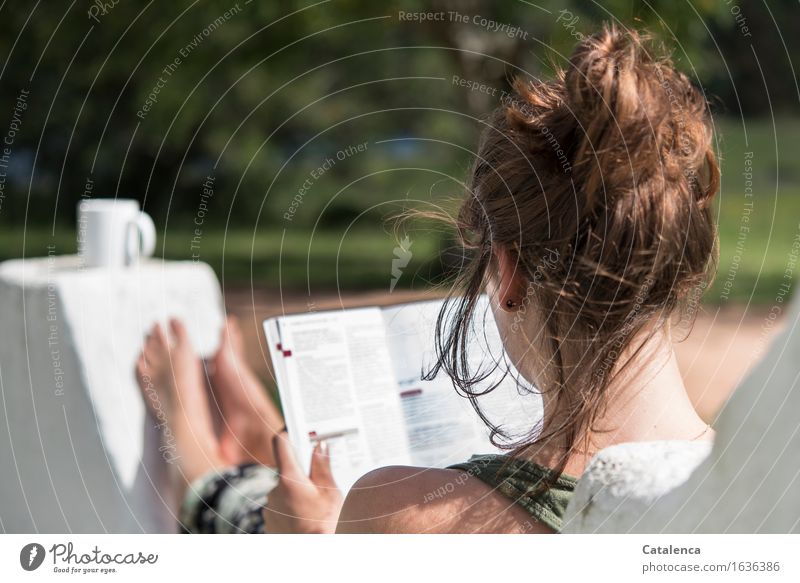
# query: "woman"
{"points": [[610, 169]]}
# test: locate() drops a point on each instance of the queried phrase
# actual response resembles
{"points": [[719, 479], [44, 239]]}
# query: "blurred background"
{"points": [[276, 140]]}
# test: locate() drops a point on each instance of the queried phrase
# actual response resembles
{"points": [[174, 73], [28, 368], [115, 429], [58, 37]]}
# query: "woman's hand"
{"points": [[299, 503]]}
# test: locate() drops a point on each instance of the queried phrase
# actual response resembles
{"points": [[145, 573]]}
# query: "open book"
{"points": [[353, 379]]}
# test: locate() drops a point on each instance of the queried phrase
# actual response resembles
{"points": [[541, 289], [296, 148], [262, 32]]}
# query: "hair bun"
{"points": [[605, 73], [635, 115]]}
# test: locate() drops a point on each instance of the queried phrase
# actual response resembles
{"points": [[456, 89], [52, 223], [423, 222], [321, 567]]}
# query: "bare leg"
{"points": [[249, 417], [170, 376]]}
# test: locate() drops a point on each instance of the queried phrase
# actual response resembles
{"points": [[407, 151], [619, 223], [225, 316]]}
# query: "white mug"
{"points": [[113, 232]]}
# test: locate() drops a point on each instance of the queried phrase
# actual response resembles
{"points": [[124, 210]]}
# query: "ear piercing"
{"points": [[510, 304]]}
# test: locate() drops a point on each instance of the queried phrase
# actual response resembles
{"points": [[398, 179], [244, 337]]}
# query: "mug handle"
{"points": [[145, 239]]}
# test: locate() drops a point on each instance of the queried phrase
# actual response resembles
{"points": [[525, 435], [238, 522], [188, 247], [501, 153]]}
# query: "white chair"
{"points": [[748, 482], [76, 450]]}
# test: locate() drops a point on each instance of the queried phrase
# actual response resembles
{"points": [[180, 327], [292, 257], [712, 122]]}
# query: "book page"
{"points": [[442, 425], [339, 386]]}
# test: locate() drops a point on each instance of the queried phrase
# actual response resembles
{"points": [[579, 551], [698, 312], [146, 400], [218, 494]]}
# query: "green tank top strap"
{"points": [[518, 479]]}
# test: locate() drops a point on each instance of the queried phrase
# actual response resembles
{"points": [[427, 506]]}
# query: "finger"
{"points": [[232, 322], [178, 329], [141, 366], [156, 338], [285, 458], [321, 473]]}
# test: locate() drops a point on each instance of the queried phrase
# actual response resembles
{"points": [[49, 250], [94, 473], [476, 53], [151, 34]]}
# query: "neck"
{"points": [[649, 402], [646, 402]]}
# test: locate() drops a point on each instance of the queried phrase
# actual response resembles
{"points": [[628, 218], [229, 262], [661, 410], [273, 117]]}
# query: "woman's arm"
{"points": [[383, 501], [401, 499], [394, 499]]}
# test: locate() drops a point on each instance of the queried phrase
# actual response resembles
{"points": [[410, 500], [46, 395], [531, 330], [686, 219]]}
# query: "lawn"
{"points": [[753, 262], [751, 268], [360, 259]]}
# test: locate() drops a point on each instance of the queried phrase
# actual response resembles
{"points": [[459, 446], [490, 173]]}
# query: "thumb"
{"points": [[321, 473], [284, 457]]}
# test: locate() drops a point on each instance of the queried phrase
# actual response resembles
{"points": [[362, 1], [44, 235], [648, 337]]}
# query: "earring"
{"points": [[510, 304]]}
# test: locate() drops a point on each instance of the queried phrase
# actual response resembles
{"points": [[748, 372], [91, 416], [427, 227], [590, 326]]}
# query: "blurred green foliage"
{"points": [[261, 98]]}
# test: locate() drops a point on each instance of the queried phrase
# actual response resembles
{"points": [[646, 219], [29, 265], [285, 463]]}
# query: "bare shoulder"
{"points": [[404, 499]]}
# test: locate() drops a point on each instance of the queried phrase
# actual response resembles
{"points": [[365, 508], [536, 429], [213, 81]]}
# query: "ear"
{"points": [[510, 279]]}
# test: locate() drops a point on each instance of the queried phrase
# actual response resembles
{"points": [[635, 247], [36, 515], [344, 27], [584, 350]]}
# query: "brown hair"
{"points": [[610, 169]]}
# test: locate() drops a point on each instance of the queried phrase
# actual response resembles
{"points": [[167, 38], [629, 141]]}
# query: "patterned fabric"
{"points": [[231, 500], [518, 479], [228, 501]]}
